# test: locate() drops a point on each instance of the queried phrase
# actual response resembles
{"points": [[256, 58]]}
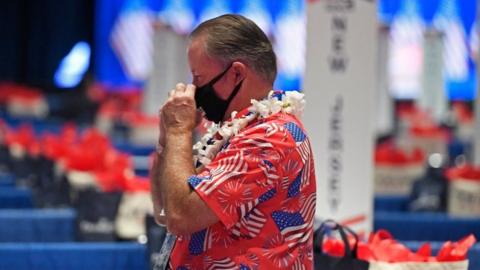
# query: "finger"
{"points": [[190, 90], [162, 107], [167, 102], [180, 87], [171, 92]]}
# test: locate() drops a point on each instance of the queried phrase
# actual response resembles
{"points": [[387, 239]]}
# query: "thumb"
{"points": [[190, 90]]}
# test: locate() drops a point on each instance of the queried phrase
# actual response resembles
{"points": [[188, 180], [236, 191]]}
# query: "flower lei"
{"points": [[291, 102]]}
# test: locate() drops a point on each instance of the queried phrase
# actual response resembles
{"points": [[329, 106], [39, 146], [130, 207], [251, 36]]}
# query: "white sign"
{"points": [[170, 68], [384, 113], [433, 98], [340, 87], [476, 139]]}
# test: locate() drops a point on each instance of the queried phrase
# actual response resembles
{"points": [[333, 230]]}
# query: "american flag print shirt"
{"points": [[261, 185]]}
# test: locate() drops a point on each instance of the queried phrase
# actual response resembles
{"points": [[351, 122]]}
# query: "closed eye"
{"points": [[196, 79]]}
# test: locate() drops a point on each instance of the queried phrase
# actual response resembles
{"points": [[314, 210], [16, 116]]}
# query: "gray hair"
{"points": [[232, 37]]}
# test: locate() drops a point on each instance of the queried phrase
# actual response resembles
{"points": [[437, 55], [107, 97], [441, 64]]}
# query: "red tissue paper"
{"points": [[382, 247]]}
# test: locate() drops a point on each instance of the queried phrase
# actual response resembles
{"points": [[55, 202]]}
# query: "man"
{"points": [[249, 201]]}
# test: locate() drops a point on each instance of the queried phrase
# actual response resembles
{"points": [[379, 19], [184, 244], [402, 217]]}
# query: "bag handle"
{"points": [[330, 225]]}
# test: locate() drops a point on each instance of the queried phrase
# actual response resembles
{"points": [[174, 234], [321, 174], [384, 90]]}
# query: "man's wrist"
{"points": [[173, 139], [178, 134]]}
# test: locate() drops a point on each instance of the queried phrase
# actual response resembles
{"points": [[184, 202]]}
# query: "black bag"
{"points": [[429, 192], [324, 261], [96, 215], [5, 160], [51, 190]]}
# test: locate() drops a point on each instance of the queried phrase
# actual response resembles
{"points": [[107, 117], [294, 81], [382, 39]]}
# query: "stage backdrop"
{"points": [[124, 34], [340, 86], [284, 22]]}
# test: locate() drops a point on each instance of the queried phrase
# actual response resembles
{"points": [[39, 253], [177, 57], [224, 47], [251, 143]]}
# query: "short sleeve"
{"points": [[243, 175]]}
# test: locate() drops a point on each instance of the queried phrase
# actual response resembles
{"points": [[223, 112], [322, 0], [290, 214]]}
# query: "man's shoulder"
{"points": [[284, 118], [279, 118], [278, 127]]}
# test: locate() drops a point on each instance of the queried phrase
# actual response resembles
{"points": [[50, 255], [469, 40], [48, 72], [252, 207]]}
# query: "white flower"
{"points": [[296, 102], [204, 160], [294, 95], [260, 107], [288, 110], [292, 102], [225, 132], [275, 106], [213, 128], [209, 151], [198, 146]]}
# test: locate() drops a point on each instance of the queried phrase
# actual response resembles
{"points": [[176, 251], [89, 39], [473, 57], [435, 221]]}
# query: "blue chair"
{"points": [[73, 256], [7, 179], [395, 203], [44, 225], [39, 125], [426, 226], [141, 164], [12, 197], [135, 150]]}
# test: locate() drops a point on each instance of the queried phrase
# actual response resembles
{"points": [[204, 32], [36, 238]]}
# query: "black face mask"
{"points": [[213, 106]]}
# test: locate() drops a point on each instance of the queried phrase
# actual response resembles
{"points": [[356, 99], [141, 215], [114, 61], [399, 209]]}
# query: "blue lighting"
{"points": [[73, 66]]}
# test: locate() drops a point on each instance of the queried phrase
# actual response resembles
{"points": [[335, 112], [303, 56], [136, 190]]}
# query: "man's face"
{"points": [[204, 68]]}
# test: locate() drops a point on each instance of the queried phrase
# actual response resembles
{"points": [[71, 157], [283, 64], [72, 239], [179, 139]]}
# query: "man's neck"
{"points": [[256, 90]]}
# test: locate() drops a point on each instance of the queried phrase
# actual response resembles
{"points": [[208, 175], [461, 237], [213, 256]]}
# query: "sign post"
{"points": [[433, 98], [170, 67], [476, 137], [384, 113], [340, 85]]}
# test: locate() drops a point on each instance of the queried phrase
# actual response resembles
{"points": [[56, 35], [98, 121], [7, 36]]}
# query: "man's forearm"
{"points": [[176, 165]]}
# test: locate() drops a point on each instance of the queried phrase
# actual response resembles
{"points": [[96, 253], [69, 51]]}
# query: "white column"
{"points": [[476, 137], [170, 67], [384, 102], [340, 85], [433, 98]]}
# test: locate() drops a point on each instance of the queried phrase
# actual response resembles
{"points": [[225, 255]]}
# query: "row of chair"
{"points": [[33, 238], [45, 237]]}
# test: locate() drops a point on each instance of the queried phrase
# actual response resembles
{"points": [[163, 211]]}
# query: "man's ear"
{"points": [[239, 71]]}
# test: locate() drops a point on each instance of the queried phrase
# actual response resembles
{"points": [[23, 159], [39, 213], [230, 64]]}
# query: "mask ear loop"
{"points": [[218, 77], [235, 91]]}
